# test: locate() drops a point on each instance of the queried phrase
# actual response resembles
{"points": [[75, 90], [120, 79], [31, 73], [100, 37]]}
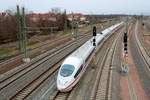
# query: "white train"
{"points": [[73, 66]]}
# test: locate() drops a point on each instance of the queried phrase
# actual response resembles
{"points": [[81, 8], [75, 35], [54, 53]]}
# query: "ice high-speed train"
{"points": [[74, 66]]}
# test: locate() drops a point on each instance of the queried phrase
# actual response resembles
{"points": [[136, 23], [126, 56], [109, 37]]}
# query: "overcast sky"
{"points": [[83, 6]]}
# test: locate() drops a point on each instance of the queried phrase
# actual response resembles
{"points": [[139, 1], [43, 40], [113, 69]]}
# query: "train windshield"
{"points": [[66, 70]]}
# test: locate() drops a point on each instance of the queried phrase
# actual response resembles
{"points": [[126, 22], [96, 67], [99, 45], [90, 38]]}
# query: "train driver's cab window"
{"points": [[66, 70]]}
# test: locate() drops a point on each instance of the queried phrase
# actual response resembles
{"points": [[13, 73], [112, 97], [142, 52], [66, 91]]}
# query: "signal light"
{"points": [[94, 44], [126, 52], [94, 40], [125, 39], [125, 49], [94, 31], [125, 44], [143, 24], [125, 34]]}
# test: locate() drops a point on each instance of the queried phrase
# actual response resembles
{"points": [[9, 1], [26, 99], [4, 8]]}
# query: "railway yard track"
{"points": [[37, 80], [68, 50], [27, 75], [88, 89], [33, 53]]}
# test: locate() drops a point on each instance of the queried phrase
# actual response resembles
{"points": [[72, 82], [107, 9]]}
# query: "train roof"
{"points": [[75, 61]]}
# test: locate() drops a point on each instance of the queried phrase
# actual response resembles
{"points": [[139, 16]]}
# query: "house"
{"points": [[35, 17], [76, 17]]}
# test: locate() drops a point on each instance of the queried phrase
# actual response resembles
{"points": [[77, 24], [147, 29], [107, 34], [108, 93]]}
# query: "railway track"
{"points": [[143, 51], [144, 36], [60, 96], [140, 59], [102, 86], [37, 72]]}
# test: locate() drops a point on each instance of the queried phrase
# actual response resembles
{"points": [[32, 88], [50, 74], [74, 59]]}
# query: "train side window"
{"points": [[79, 70]]}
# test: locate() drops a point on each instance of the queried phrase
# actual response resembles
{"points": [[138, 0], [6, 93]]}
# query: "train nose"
{"points": [[61, 84]]}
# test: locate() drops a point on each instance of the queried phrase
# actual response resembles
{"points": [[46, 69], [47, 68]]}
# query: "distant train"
{"points": [[74, 65]]}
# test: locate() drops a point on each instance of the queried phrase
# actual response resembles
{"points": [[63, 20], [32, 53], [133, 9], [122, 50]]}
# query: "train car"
{"points": [[110, 29], [105, 32], [67, 75], [74, 65], [99, 38]]}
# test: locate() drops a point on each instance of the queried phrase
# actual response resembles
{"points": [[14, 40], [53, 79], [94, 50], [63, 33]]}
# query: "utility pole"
{"points": [[19, 28], [92, 20], [127, 25], [26, 58], [76, 29], [65, 21], [72, 25], [22, 33]]}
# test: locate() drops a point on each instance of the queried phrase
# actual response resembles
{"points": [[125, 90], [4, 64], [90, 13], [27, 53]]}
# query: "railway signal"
{"points": [[125, 40], [125, 49], [125, 44], [94, 34], [94, 44], [124, 67], [143, 23], [94, 31], [94, 40]]}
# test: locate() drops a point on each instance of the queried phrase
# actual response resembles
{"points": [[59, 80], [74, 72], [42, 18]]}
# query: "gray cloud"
{"points": [[83, 6]]}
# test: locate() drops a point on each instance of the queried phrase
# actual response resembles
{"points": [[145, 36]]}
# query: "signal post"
{"points": [[124, 66], [94, 44]]}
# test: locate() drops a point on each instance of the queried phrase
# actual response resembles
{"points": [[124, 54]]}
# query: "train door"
{"points": [[78, 72]]}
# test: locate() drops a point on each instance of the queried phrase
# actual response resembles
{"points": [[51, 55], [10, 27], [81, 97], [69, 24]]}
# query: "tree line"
{"points": [[8, 23]]}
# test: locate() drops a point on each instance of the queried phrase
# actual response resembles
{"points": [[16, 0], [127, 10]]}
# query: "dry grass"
{"points": [[7, 51]]}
